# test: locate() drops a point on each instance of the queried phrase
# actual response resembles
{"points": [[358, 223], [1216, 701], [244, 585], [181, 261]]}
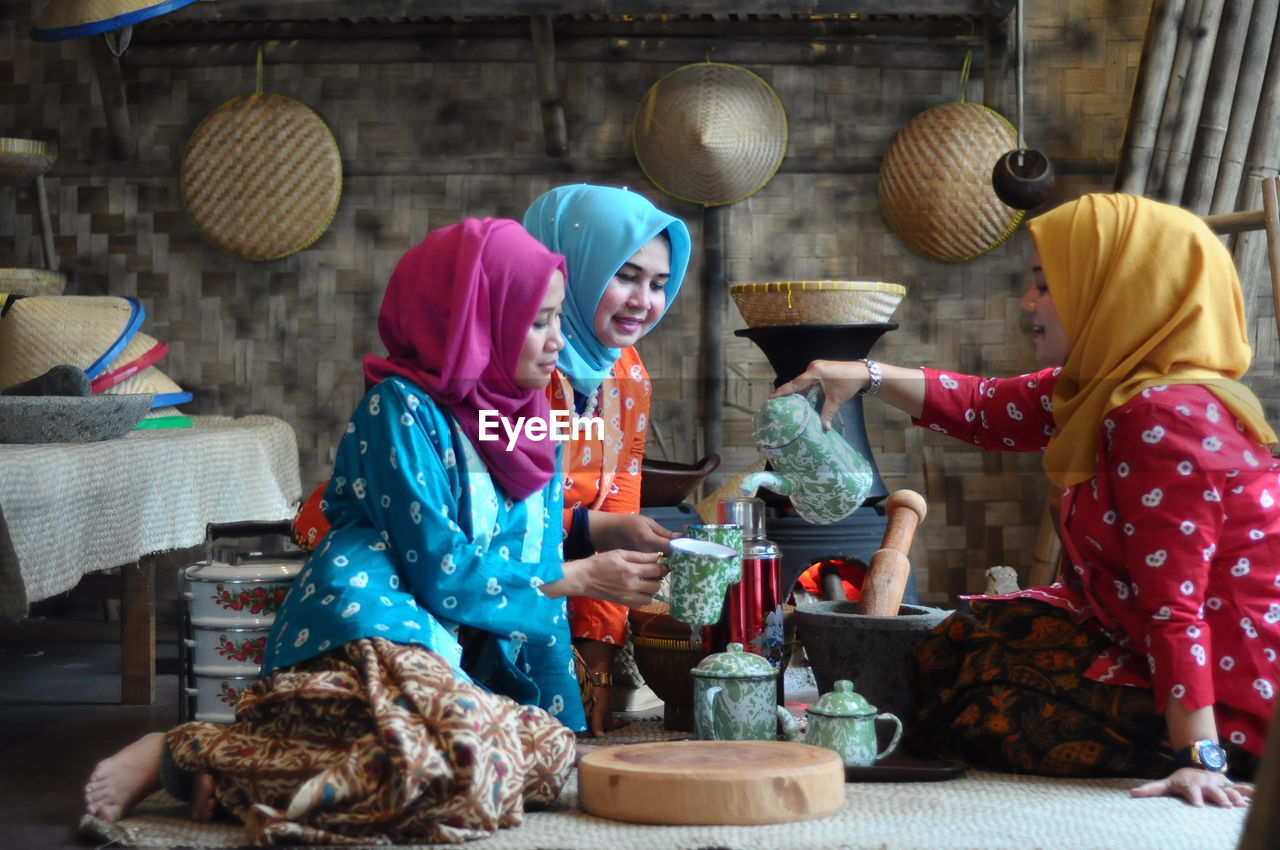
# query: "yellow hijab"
{"points": [[1147, 295]]}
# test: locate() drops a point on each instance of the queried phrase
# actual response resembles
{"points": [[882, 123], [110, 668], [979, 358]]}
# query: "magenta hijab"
{"points": [[454, 320]]}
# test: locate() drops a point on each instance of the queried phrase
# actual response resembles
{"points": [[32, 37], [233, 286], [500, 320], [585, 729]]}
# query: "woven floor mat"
{"points": [[979, 811]]}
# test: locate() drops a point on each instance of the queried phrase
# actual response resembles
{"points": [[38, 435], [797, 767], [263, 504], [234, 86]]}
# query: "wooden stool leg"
{"points": [[138, 633]]}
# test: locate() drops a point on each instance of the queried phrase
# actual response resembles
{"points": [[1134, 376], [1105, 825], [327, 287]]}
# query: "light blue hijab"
{"points": [[597, 229]]}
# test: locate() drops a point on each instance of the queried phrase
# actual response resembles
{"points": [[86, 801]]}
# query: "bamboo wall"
{"points": [[285, 337]]}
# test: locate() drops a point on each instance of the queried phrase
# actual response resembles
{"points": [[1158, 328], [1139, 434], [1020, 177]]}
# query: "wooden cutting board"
{"points": [[711, 782]]}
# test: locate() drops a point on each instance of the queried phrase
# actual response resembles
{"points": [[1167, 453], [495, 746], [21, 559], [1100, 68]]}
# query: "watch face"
{"points": [[1210, 755]]}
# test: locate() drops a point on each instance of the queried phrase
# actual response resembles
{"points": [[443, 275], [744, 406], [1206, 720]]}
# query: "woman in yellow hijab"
{"points": [[1154, 654]]}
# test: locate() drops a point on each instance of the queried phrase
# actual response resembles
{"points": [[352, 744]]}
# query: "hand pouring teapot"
{"points": [[825, 477], [843, 721]]}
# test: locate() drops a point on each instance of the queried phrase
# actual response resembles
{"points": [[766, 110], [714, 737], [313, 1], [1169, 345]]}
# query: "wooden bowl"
{"points": [[665, 482]]}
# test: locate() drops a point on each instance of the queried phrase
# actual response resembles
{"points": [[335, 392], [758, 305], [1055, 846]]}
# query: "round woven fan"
{"points": [[710, 133], [816, 302], [25, 159], [935, 182], [262, 176]]}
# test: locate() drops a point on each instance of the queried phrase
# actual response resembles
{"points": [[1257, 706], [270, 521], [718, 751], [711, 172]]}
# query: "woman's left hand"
{"points": [[635, 532], [1197, 787]]}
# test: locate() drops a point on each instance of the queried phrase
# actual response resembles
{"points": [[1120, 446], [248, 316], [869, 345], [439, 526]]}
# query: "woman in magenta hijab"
{"points": [[421, 664]]}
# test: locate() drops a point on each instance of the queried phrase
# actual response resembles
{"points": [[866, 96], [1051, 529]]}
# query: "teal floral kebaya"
{"points": [[438, 558]]}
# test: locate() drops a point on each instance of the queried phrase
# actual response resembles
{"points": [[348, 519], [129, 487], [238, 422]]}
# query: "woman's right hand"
{"points": [[618, 575], [840, 380]]}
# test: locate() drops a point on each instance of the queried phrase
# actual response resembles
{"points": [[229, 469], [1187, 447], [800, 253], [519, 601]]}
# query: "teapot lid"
{"points": [[842, 702], [733, 663]]}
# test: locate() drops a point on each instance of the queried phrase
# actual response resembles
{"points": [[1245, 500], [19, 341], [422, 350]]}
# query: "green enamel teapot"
{"points": [[844, 722], [825, 477]]}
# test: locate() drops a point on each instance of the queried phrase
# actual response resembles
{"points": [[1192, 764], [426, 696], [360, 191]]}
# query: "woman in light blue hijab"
{"points": [[626, 261]]}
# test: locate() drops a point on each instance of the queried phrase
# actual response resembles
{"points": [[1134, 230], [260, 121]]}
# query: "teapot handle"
{"points": [[787, 722], [897, 733], [705, 709]]}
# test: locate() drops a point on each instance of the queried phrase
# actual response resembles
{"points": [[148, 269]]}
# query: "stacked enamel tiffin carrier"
{"points": [[230, 608], [97, 334]]}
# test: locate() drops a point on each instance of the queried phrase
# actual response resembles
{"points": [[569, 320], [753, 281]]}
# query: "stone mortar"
{"points": [[869, 651], [70, 419]]}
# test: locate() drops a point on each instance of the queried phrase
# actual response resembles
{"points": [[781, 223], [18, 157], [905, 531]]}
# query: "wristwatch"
{"points": [[873, 371], [1204, 754]]}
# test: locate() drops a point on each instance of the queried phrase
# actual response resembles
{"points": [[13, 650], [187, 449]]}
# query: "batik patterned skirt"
{"points": [[377, 742], [1002, 685]]}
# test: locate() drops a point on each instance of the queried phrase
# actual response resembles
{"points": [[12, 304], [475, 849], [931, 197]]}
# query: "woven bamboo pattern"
{"points": [[816, 302], [149, 380], [935, 182], [262, 177], [32, 282], [710, 133], [39, 333], [25, 159]]}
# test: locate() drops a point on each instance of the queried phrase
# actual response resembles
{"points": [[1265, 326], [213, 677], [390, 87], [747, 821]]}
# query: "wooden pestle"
{"points": [[887, 574]]}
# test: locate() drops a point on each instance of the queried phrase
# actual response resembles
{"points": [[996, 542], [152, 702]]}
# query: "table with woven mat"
{"points": [[67, 510], [979, 811]]}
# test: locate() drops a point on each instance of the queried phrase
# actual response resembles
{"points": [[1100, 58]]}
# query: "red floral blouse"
{"points": [[1173, 548]]}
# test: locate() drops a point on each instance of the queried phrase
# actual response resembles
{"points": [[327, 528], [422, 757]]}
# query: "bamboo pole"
{"points": [[1233, 30], [1262, 26], [115, 104], [1173, 97], [46, 226], [1261, 163], [1271, 211], [554, 132], [1203, 38], [1154, 69], [714, 295]]}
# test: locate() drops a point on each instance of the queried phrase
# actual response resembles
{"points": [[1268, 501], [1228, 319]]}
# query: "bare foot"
{"points": [[202, 799], [602, 718], [118, 783]]}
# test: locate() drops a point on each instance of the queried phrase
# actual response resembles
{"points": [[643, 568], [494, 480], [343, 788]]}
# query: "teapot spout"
{"points": [[772, 480], [787, 726]]}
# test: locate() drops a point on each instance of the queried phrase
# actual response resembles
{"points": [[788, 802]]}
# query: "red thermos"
{"points": [[752, 614]]}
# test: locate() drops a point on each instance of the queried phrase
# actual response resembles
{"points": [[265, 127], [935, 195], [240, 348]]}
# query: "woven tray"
{"points": [[32, 282], [261, 177], [710, 133], [25, 159], [935, 182], [816, 302]]}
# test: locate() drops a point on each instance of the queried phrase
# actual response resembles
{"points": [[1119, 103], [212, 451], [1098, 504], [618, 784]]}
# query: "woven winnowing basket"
{"points": [[817, 302], [262, 176], [710, 133], [25, 159], [935, 182]]}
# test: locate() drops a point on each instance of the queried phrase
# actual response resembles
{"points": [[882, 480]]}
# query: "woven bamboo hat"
{"points": [[262, 176], [710, 133], [63, 19], [22, 160], [935, 182], [152, 380], [84, 331], [31, 282]]}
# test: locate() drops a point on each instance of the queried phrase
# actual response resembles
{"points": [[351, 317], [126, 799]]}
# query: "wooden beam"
{"points": [[1154, 70], [543, 42], [46, 226], [668, 50], [164, 29], [356, 168], [293, 10]]}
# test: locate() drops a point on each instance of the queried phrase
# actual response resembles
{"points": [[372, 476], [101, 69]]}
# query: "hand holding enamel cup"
{"points": [[701, 572]]}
